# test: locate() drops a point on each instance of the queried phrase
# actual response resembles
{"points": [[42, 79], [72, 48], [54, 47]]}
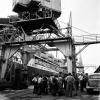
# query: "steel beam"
{"points": [[47, 41], [86, 43]]}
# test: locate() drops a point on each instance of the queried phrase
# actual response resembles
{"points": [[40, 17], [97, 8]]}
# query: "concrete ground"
{"points": [[27, 94]]}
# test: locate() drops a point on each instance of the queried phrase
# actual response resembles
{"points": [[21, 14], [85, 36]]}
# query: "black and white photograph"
{"points": [[49, 49]]}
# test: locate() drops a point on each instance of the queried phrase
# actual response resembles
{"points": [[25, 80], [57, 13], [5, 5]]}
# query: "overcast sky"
{"points": [[85, 15]]}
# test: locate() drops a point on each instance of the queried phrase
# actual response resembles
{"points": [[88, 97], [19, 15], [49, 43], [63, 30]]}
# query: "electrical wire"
{"points": [[91, 34]]}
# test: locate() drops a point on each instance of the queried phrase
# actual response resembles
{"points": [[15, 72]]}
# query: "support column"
{"points": [[25, 58], [66, 48], [7, 53]]}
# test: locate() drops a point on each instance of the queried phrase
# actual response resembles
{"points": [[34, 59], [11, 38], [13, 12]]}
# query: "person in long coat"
{"points": [[70, 83]]}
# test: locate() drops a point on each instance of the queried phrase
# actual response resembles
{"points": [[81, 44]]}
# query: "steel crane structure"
{"points": [[36, 24]]}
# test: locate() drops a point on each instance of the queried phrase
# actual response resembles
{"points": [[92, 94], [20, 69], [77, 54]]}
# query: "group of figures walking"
{"points": [[67, 85]]}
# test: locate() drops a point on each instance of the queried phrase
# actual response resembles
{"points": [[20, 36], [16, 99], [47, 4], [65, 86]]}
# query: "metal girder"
{"points": [[6, 54], [82, 49], [8, 34], [43, 41], [46, 34], [52, 49], [86, 43]]}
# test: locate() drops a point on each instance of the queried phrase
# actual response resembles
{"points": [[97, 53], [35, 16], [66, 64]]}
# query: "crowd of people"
{"points": [[67, 85]]}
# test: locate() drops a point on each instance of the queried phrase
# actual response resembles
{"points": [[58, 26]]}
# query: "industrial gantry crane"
{"points": [[36, 24]]}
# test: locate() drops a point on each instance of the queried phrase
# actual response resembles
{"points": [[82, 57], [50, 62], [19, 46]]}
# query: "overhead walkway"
{"points": [[87, 39]]}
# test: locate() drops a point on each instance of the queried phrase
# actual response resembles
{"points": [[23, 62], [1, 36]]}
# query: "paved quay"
{"points": [[26, 94]]}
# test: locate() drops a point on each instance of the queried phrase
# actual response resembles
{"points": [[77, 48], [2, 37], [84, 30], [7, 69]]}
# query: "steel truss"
{"points": [[42, 33], [32, 28], [18, 34], [36, 11], [46, 33]]}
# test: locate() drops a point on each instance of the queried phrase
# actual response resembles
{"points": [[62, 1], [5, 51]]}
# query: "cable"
{"points": [[77, 28], [82, 30], [90, 36]]}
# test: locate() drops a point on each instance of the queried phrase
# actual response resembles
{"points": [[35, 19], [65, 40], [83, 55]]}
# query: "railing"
{"points": [[87, 39]]}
